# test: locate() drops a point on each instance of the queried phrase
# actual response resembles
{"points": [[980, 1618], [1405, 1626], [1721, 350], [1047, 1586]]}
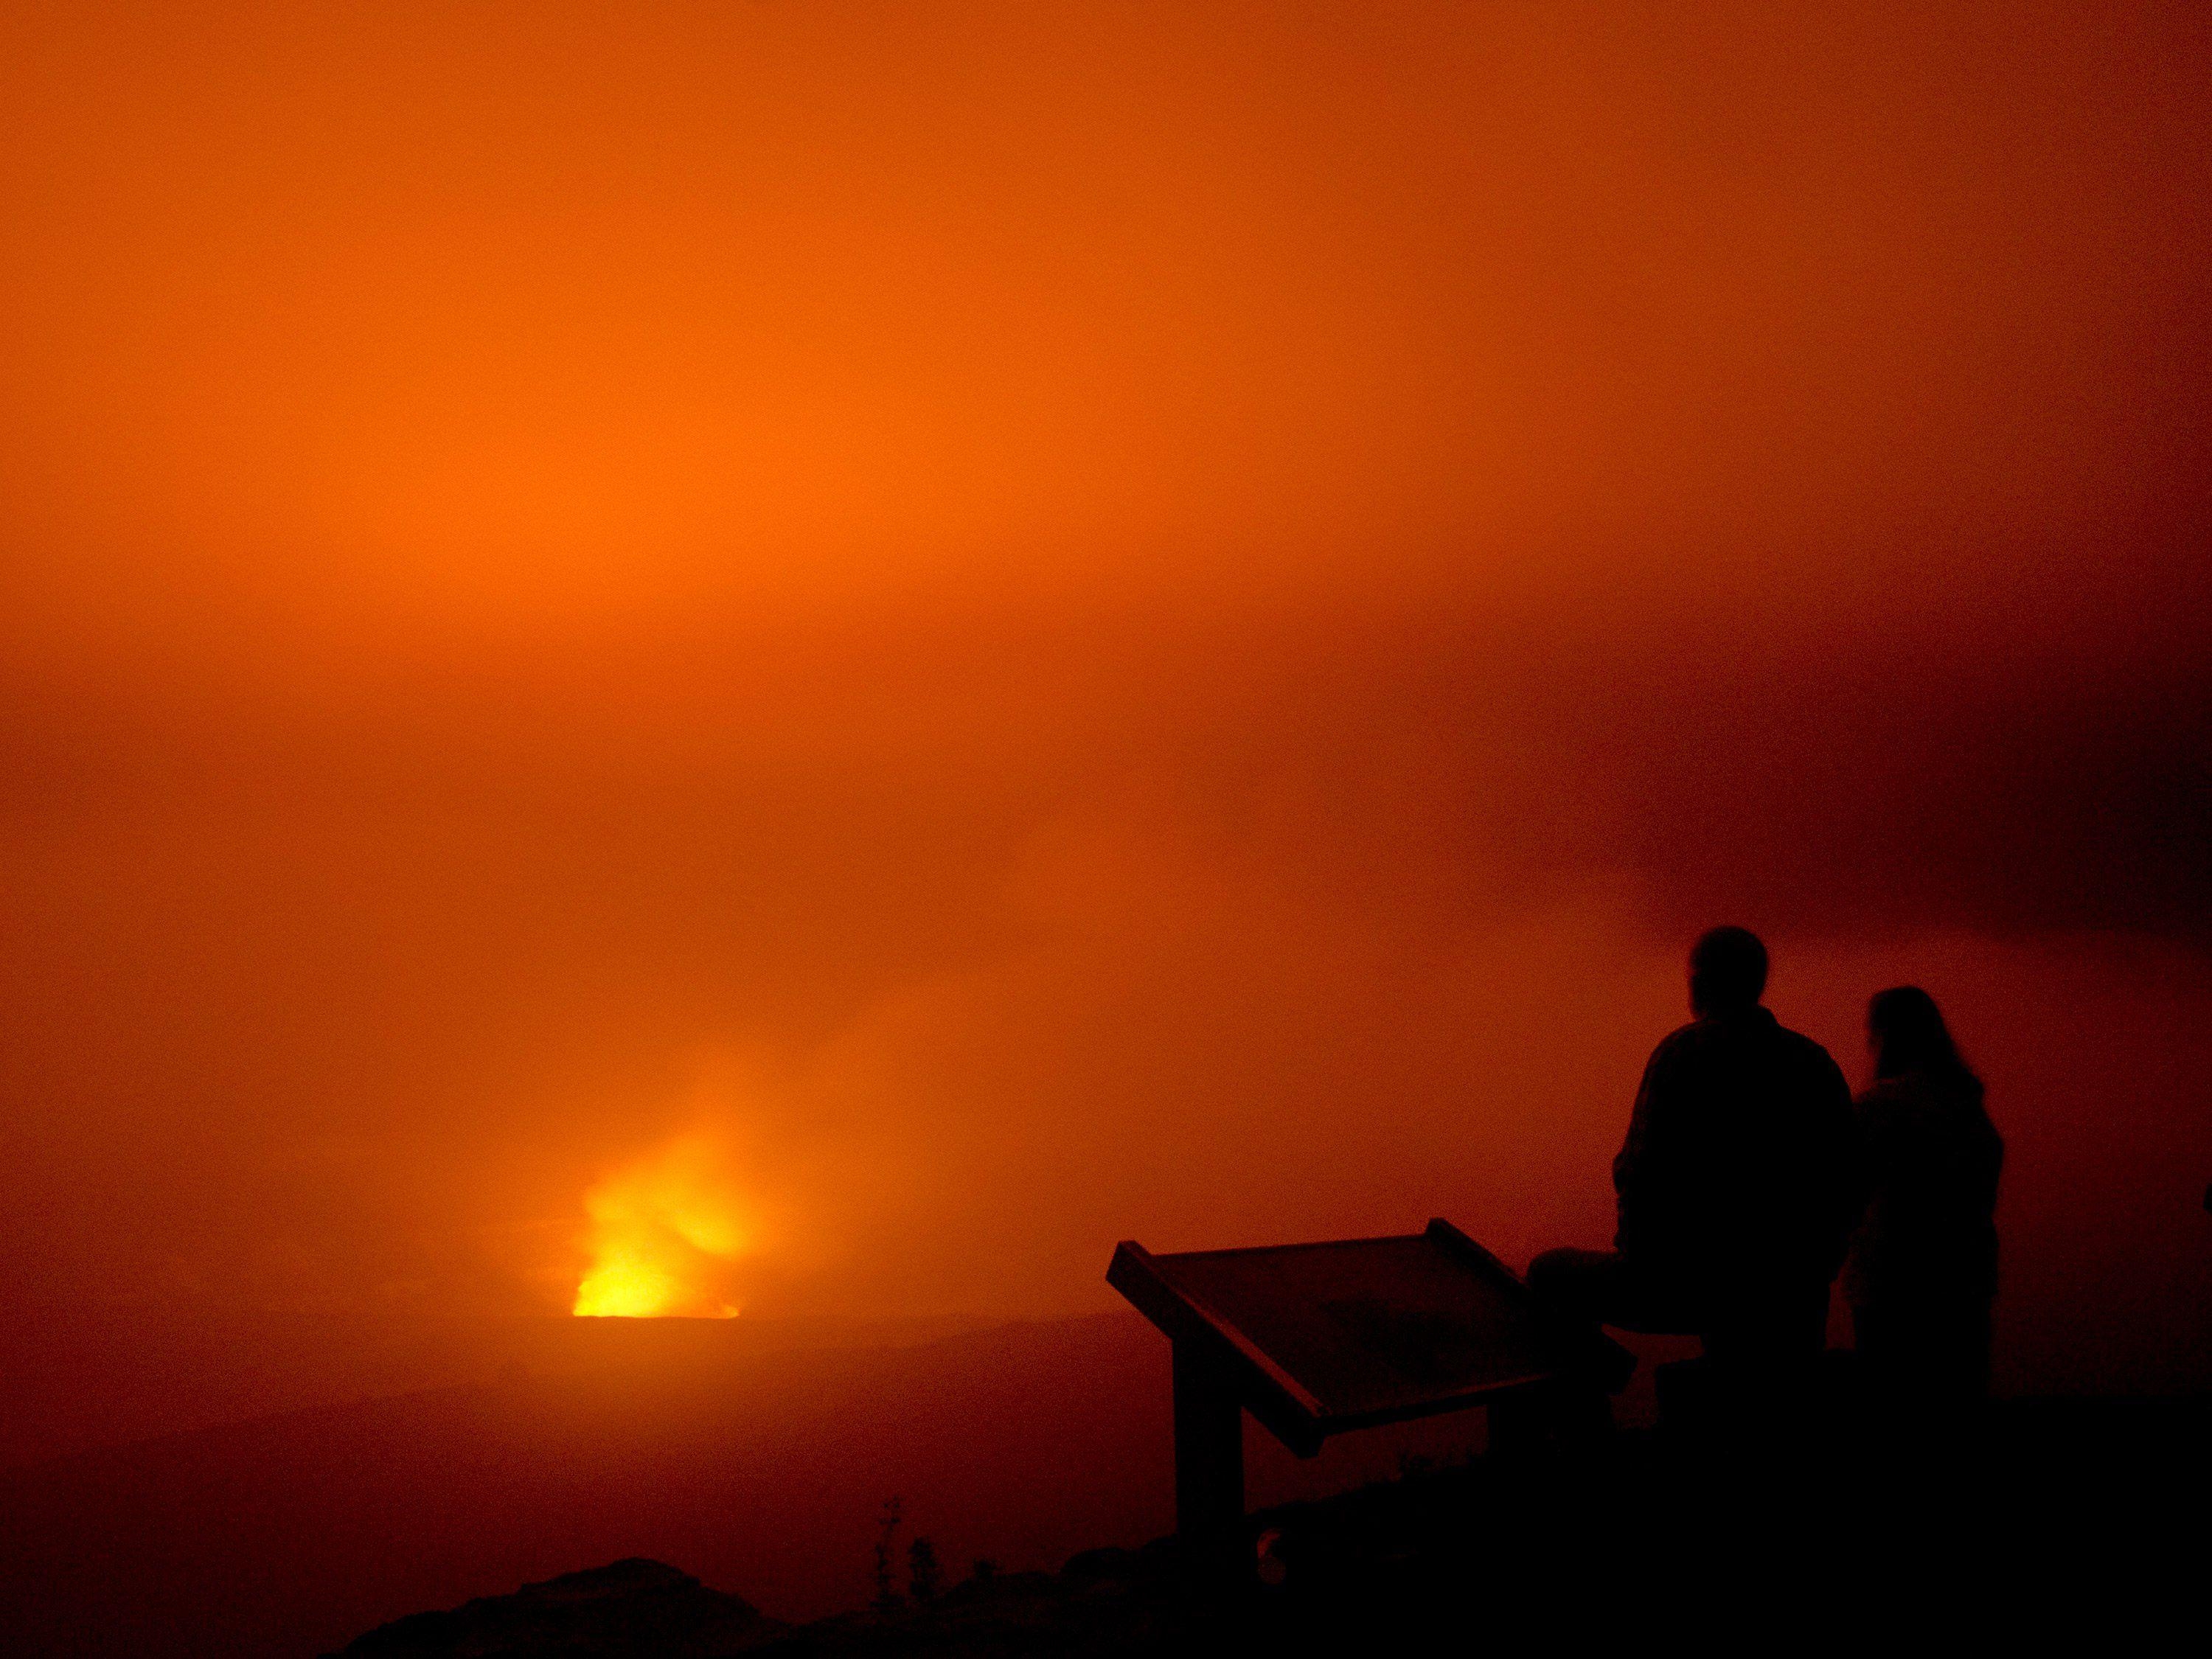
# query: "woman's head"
{"points": [[1906, 1033]]}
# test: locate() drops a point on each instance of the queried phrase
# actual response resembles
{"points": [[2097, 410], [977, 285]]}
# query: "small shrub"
{"points": [[888, 1599], [924, 1577]]}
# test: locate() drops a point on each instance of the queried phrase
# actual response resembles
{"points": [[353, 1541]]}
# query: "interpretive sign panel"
{"points": [[1315, 1340]]}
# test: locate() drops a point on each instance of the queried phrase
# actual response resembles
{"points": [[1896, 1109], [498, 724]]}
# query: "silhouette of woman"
{"points": [[1923, 1267]]}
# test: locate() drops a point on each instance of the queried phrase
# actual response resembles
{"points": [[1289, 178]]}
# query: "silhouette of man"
{"points": [[1737, 1182]]}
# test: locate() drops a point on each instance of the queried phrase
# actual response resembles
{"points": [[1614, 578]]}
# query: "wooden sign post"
{"points": [[1209, 1445]]}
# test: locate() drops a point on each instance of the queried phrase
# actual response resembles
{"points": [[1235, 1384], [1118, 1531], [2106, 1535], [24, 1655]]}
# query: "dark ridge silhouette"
{"points": [[635, 1607], [763, 1472], [2054, 1517]]}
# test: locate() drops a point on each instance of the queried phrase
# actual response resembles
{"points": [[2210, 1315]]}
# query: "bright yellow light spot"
{"points": [[664, 1231]]}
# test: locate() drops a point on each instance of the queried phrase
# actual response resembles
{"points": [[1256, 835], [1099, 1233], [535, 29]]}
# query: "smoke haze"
{"points": [[1061, 626]]}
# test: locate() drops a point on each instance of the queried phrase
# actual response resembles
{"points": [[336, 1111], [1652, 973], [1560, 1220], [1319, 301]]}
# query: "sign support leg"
{"points": [[1209, 1449]]}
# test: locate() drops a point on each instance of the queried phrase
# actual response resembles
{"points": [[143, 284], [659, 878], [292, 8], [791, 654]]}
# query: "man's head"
{"points": [[1728, 972]]}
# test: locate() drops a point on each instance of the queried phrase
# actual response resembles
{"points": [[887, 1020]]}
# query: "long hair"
{"points": [[1910, 1035]]}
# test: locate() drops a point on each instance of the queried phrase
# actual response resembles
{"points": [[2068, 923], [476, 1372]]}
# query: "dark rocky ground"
{"points": [[2045, 1520]]}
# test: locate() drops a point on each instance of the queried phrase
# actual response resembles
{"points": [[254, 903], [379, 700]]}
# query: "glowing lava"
{"points": [[663, 1232]]}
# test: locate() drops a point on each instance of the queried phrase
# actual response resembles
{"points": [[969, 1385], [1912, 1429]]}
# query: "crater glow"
{"points": [[665, 1230]]}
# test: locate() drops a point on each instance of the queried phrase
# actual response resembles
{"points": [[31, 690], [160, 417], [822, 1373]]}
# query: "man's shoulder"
{"points": [[1729, 1030], [1755, 1031], [1799, 1044], [1681, 1040], [1814, 1066]]}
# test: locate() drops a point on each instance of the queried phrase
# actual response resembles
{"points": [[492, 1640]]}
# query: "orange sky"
{"points": [[1059, 622]]}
